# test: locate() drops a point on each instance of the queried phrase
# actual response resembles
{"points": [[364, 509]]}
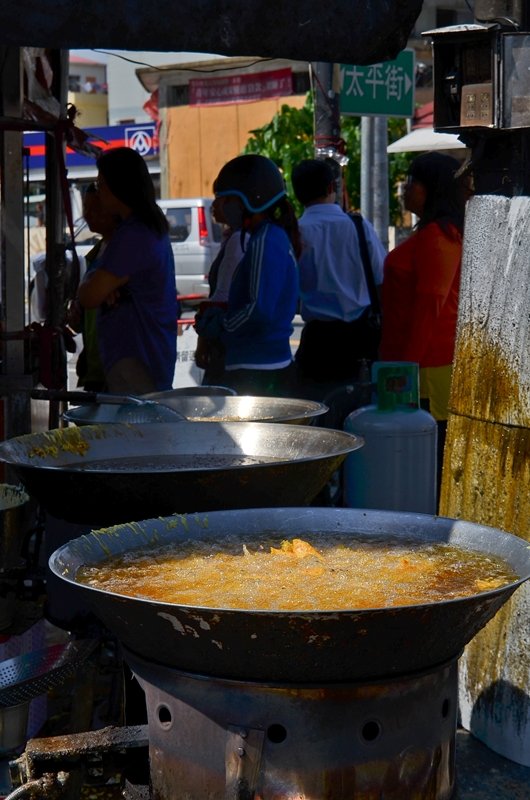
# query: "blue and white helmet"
{"points": [[255, 179]]}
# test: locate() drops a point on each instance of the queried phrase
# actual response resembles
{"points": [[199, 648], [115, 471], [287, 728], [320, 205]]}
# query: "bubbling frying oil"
{"points": [[317, 573]]}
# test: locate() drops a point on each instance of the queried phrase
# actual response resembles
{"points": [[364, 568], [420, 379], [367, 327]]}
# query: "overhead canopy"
{"points": [[340, 31], [425, 139]]}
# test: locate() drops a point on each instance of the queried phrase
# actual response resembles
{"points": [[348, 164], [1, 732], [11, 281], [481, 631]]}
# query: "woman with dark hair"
{"points": [[88, 367], [422, 280], [133, 286], [256, 325], [209, 354]]}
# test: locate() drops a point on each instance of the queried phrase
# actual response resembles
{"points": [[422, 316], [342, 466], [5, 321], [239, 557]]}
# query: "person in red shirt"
{"points": [[421, 281]]}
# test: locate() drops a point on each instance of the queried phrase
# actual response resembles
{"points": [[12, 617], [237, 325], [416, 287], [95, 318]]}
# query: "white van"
{"points": [[195, 239]]}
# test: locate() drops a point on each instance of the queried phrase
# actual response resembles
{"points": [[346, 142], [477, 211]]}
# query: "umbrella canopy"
{"points": [[425, 139]]}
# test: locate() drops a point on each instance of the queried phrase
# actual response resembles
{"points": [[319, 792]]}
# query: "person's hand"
{"points": [[74, 316], [117, 296], [113, 298], [209, 322], [202, 353]]}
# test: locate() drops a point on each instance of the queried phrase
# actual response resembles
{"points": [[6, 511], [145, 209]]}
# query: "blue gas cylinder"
{"points": [[396, 468]]}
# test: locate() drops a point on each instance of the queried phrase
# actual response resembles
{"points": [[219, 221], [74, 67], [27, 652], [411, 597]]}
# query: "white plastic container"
{"points": [[396, 468]]}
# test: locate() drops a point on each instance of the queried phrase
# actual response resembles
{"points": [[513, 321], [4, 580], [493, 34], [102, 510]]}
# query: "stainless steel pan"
{"points": [[105, 474], [214, 409]]}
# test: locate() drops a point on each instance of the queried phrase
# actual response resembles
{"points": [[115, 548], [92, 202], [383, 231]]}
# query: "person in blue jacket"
{"points": [[256, 325]]}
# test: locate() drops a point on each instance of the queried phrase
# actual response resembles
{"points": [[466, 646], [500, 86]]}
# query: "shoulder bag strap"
{"points": [[357, 220]]}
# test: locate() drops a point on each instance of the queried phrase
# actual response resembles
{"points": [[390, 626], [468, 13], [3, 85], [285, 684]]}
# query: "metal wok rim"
{"points": [[301, 409], [299, 613], [210, 390], [95, 432]]}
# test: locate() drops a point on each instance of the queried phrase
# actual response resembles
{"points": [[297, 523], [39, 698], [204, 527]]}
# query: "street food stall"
{"points": [[226, 713], [34, 44]]}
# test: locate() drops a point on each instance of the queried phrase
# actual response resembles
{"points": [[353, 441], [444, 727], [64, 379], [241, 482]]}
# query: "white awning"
{"points": [[426, 139]]}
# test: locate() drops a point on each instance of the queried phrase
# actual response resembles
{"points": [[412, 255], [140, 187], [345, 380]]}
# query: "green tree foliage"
{"points": [[289, 137]]}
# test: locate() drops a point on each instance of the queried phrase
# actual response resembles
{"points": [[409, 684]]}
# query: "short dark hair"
{"points": [[311, 179]]}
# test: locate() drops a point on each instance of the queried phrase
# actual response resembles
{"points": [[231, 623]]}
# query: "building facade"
{"points": [[207, 111]]}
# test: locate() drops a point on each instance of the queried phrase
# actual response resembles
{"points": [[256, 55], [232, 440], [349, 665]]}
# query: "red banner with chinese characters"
{"points": [[240, 88]]}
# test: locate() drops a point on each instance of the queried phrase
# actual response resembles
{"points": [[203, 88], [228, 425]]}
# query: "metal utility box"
{"points": [[481, 77]]}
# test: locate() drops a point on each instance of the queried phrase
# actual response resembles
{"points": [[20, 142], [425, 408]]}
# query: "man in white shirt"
{"points": [[334, 293]]}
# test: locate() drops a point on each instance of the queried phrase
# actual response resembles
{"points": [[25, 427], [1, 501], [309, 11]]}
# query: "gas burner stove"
{"points": [[215, 737], [219, 738]]}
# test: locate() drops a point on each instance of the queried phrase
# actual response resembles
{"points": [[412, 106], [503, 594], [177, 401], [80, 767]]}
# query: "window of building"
{"points": [[74, 83]]}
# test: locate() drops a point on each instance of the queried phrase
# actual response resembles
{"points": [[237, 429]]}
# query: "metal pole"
{"points": [[367, 161], [55, 221], [15, 385], [381, 203], [327, 139]]}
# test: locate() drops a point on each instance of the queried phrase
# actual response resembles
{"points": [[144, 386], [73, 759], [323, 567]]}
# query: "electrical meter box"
{"points": [[481, 78]]}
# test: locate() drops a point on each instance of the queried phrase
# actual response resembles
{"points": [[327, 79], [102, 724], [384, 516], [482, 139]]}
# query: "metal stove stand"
{"points": [[97, 758]]}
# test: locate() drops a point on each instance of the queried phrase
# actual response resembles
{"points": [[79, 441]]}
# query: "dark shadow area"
{"points": [[482, 773]]}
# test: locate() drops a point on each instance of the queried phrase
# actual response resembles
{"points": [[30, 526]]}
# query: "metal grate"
{"points": [[27, 676]]}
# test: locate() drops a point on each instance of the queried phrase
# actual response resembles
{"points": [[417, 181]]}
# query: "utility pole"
{"points": [[380, 216], [374, 174], [328, 142], [367, 161]]}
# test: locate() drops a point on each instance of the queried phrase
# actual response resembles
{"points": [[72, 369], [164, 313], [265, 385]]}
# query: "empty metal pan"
{"points": [[105, 474], [241, 408]]}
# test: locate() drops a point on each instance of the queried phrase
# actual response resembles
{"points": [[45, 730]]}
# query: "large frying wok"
{"points": [[106, 474], [311, 646], [242, 408]]}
